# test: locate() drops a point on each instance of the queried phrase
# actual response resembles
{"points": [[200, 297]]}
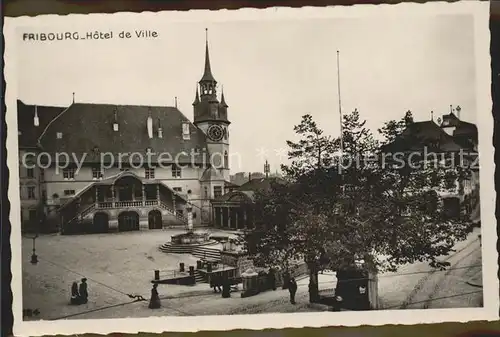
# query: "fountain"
{"points": [[191, 237]]}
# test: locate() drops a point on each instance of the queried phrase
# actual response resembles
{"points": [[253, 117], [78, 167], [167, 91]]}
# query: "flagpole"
{"points": [[340, 105], [340, 118]]}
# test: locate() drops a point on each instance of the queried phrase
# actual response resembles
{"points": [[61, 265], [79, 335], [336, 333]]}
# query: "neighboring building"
{"points": [[112, 190], [234, 210], [449, 136], [32, 120]]}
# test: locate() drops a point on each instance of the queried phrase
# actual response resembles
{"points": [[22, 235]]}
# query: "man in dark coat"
{"points": [[292, 288], [154, 301], [226, 288], [84, 295]]}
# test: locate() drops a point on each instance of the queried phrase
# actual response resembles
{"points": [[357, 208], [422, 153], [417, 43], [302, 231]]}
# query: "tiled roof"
{"points": [[88, 128], [29, 133], [248, 189], [421, 134]]}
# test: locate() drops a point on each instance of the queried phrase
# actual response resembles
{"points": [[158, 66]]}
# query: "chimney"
{"points": [[249, 176], [115, 122], [150, 125], [160, 130], [432, 115], [458, 109], [36, 121]]}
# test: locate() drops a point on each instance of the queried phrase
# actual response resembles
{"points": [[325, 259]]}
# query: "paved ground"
{"points": [[414, 287], [123, 263]]}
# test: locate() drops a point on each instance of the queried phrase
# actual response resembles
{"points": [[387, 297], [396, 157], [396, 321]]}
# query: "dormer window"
{"points": [[160, 133], [149, 173], [97, 173], [176, 171], [69, 173], [185, 131], [59, 135]]}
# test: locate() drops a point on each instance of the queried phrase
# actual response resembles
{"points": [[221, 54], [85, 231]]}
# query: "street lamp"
{"points": [[34, 257]]}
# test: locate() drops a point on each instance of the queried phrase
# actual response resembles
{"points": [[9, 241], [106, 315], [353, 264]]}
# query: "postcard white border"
{"points": [[480, 11]]}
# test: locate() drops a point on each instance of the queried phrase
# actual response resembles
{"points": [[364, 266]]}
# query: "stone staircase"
{"points": [[199, 251], [198, 277]]}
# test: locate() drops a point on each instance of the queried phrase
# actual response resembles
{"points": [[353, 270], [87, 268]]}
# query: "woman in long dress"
{"points": [[154, 302], [75, 295]]}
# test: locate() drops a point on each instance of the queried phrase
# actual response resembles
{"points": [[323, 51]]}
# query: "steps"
{"points": [[199, 251], [198, 277]]}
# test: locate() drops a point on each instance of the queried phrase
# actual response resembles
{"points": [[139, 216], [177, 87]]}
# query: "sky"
{"points": [[272, 72]]}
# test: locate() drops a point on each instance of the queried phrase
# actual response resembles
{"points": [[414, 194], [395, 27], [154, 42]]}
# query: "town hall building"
{"points": [[115, 188]]}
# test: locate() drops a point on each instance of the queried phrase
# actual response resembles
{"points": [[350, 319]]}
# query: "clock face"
{"points": [[215, 133]]}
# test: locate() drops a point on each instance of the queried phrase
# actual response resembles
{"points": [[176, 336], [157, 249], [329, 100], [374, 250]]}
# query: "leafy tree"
{"points": [[394, 129], [313, 151], [411, 185], [385, 211]]}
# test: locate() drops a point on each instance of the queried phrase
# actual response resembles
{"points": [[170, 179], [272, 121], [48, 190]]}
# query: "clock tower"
{"points": [[210, 115]]}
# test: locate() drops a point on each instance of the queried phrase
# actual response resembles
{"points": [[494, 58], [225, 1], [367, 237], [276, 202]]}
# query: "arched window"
{"points": [[226, 160]]}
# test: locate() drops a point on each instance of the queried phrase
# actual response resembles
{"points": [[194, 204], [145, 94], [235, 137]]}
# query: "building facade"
{"points": [[235, 210], [123, 167], [450, 137]]}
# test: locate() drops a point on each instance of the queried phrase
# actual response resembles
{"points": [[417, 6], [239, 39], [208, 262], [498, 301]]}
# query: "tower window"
{"points": [[30, 173], [226, 160], [206, 192], [217, 191]]}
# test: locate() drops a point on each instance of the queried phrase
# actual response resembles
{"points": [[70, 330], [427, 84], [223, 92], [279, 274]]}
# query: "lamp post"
{"points": [[34, 257]]}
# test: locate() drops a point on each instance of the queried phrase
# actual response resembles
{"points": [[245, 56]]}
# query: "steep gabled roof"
{"points": [[423, 134], [29, 133], [88, 128]]}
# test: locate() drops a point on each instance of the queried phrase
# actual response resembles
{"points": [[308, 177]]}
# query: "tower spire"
{"points": [[196, 97], [222, 99], [207, 75], [267, 169]]}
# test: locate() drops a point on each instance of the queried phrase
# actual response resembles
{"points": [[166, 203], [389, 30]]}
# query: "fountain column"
{"points": [[189, 209]]}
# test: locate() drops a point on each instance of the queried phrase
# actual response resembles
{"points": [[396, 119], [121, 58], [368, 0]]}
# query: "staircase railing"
{"points": [[83, 213], [168, 208]]}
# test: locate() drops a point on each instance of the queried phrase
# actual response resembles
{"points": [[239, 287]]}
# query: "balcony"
{"points": [[132, 203]]}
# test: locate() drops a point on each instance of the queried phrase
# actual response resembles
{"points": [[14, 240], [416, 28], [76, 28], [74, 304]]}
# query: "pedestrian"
{"points": [[216, 283], [154, 301], [272, 279], [75, 295], [292, 288], [226, 288], [84, 295]]}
